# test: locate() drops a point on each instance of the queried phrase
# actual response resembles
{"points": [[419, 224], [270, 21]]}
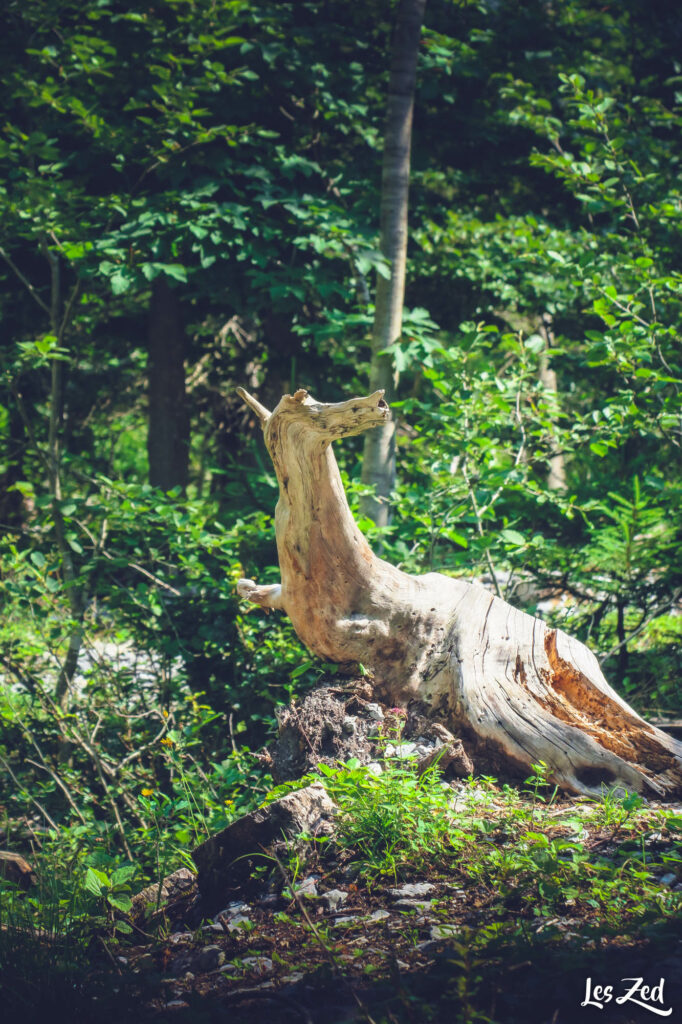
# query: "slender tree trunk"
{"points": [[378, 467], [168, 433]]}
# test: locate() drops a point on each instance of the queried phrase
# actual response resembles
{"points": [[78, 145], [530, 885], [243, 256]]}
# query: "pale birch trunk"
{"points": [[378, 464], [515, 690]]}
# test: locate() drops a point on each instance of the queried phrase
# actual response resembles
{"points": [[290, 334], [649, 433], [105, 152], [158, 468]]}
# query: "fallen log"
{"points": [[15, 869], [516, 691]]}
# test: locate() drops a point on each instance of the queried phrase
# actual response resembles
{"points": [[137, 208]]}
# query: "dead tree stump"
{"points": [[516, 690]]}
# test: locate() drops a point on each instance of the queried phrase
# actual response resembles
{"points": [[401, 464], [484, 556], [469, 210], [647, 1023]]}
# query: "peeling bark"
{"points": [[523, 692]]}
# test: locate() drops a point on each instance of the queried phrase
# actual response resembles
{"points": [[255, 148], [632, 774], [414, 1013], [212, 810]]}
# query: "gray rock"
{"points": [[374, 712], [428, 946], [307, 887], [445, 931], [402, 750], [334, 898], [668, 879], [349, 725], [347, 919], [377, 915], [259, 964], [407, 904], [291, 979], [233, 909], [240, 923], [412, 889], [227, 860], [207, 959]]}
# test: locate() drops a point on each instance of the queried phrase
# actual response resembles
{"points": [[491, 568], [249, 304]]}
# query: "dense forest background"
{"points": [[189, 197]]}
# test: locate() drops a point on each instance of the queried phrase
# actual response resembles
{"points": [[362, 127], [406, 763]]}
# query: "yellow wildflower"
{"points": [[167, 741], [147, 792]]}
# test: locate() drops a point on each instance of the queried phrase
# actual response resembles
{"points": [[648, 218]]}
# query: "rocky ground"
{"points": [[274, 929], [326, 948]]}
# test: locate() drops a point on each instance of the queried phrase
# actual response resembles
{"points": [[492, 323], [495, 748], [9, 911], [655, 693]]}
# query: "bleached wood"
{"points": [[518, 691]]}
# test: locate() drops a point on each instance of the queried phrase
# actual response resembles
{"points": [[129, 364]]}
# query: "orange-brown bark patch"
{"points": [[583, 705]]}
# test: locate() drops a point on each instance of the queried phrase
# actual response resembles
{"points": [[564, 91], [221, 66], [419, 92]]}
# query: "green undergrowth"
{"points": [[519, 871], [594, 864]]}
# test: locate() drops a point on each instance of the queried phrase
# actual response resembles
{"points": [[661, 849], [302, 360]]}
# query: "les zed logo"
{"points": [[638, 993]]}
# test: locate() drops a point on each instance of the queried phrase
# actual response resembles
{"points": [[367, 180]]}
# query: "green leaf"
{"points": [[123, 874], [457, 538], [300, 669], [120, 901], [120, 283], [513, 537], [174, 270], [96, 881], [534, 344], [150, 270]]}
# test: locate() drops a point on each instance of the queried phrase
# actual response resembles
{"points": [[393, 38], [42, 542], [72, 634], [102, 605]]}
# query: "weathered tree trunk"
{"points": [[168, 433], [518, 691], [378, 464]]}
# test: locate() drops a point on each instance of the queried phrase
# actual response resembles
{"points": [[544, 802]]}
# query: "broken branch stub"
{"points": [[516, 691]]}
